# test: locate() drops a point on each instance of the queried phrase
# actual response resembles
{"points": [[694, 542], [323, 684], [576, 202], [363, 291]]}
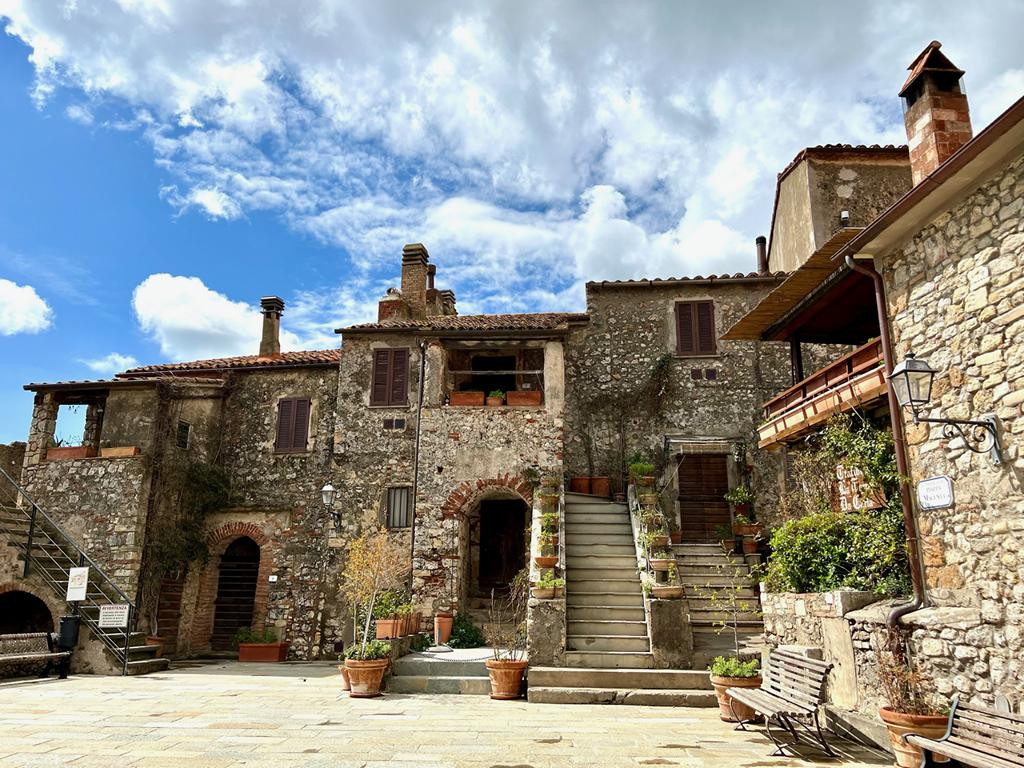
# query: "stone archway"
{"points": [[23, 611]]}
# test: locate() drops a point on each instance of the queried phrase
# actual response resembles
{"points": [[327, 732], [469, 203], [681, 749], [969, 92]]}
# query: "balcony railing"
{"points": [[857, 377]]}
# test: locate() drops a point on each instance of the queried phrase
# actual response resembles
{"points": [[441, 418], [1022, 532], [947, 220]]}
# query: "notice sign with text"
{"points": [[78, 583], [114, 616], [935, 492], [854, 493]]}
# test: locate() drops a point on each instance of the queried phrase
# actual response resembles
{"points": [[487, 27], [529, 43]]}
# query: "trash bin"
{"points": [[67, 634]]}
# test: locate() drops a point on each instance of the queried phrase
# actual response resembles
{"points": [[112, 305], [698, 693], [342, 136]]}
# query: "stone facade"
{"points": [[12, 456]]}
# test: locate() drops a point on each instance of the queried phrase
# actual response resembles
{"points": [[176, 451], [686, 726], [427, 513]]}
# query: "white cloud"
{"points": [[22, 310], [111, 364], [190, 321]]}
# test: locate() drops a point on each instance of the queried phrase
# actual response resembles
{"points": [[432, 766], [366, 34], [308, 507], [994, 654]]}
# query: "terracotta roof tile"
{"points": [[315, 357], [824, 150], [538, 321], [736, 277]]}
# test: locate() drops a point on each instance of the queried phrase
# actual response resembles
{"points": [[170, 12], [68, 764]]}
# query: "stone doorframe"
{"points": [[218, 540]]}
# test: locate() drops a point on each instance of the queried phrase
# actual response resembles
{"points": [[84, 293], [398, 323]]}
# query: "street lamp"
{"points": [[328, 494], [912, 384]]}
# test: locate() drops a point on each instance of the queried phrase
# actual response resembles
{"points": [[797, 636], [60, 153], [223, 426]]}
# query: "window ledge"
{"points": [[716, 356]]}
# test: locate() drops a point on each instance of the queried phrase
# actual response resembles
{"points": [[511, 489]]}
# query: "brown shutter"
{"points": [[684, 328], [399, 389], [381, 375], [300, 432], [285, 422], [705, 327]]}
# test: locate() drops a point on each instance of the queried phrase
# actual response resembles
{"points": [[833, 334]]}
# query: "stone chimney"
{"points": [[414, 278], [272, 307], [447, 298], [935, 111], [762, 254]]}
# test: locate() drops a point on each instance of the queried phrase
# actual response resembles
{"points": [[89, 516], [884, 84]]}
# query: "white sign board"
{"points": [[935, 492], [113, 616], [78, 583]]}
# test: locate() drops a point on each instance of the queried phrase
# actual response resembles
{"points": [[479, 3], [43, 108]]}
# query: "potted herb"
{"points": [[660, 560], [547, 587], [260, 645], [549, 542], [550, 484], [649, 499], [642, 473], [751, 545], [725, 537], [366, 664], [913, 706], [495, 398], [733, 672], [741, 498], [744, 526], [675, 535], [508, 640]]}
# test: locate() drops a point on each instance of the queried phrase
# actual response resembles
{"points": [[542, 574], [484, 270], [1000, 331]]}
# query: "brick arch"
{"points": [[217, 541], [469, 493]]}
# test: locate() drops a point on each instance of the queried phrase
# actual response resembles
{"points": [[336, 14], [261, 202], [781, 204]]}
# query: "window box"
{"points": [[524, 397], [119, 452], [262, 651], [68, 452], [471, 397]]}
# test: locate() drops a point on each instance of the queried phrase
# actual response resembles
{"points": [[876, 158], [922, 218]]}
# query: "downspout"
{"points": [[899, 445], [416, 463]]}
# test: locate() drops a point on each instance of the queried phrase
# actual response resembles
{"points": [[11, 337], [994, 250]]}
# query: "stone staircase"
{"points": [[440, 673], [712, 579]]}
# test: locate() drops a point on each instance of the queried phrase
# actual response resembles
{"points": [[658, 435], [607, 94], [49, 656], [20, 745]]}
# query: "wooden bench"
{"points": [[976, 736], [792, 689], [32, 653]]}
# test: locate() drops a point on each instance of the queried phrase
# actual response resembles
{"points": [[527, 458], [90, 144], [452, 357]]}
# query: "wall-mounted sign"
{"points": [[78, 583], [854, 494], [935, 492], [114, 616]]}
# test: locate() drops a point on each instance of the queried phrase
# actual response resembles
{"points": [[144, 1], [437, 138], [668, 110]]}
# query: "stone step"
{"points": [[610, 574], [573, 516], [579, 628], [418, 666], [420, 684], [700, 601], [712, 580], [575, 599], [573, 549], [619, 530], [145, 666], [709, 561], [620, 539], [586, 498], [609, 660], [754, 627], [607, 643], [696, 549], [713, 616], [575, 584], [606, 612], [596, 561], [638, 697], [581, 677]]}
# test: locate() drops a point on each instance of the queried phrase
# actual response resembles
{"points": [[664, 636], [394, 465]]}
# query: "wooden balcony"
{"points": [[852, 380]]}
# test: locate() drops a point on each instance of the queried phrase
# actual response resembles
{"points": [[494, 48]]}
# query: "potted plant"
{"points": [[750, 545], [346, 683], [658, 539], [549, 542], [508, 640], [260, 645], [675, 535], [579, 485], [744, 526], [546, 561], [549, 505], [913, 706], [405, 617], [601, 486], [660, 560], [532, 397], [733, 672], [550, 484], [443, 621], [547, 587], [366, 664], [725, 537], [741, 498], [387, 620], [468, 397], [495, 398], [670, 590], [641, 472], [649, 499]]}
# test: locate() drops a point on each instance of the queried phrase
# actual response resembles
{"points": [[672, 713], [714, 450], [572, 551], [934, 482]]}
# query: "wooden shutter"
{"points": [[381, 374], [300, 431], [399, 387], [684, 328], [285, 425], [705, 341]]}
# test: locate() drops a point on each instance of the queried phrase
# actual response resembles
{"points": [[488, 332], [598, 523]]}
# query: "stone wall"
{"points": [[11, 458], [954, 299]]}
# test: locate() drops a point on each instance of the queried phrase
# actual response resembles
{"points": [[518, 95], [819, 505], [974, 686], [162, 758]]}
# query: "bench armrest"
{"points": [[920, 741]]}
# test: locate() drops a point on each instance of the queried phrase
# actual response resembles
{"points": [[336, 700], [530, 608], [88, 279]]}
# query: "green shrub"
{"points": [[388, 603], [375, 649], [420, 643], [496, 393], [262, 636], [730, 666], [466, 634], [641, 469], [739, 495]]}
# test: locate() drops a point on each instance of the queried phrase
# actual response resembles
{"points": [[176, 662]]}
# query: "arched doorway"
{"points": [[236, 591], [502, 543], [23, 612]]}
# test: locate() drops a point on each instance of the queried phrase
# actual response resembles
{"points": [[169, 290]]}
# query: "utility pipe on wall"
{"points": [[899, 445]]}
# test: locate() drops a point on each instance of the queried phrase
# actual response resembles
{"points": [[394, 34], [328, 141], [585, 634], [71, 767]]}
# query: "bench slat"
{"points": [[988, 718], [985, 736], [1008, 719], [31, 657], [802, 683], [816, 665], [767, 703], [965, 755]]}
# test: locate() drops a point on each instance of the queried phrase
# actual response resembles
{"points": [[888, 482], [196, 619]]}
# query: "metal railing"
{"points": [[50, 553]]}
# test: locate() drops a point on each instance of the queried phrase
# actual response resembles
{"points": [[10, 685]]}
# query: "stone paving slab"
{"points": [[231, 715]]}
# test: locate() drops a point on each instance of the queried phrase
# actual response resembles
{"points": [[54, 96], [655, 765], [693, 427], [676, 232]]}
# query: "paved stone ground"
{"points": [[229, 715]]}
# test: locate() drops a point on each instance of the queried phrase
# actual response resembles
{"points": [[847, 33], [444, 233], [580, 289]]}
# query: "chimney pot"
{"points": [[762, 254], [414, 278], [272, 307]]}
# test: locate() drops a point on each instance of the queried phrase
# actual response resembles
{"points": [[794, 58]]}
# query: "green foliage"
{"points": [[389, 603], [724, 532], [466, 634], [856, 442], [262, 637], [730, 666], [641, 468], [496, 393], [375, 649], [549, 522], [420, 643], [739, 495], [531, 476], [547, 580]]}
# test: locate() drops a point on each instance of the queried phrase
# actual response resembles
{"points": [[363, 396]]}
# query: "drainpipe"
{"points": [[899, 444], [416, 464]]}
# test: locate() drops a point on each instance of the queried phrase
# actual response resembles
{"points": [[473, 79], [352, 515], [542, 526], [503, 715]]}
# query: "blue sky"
{"points": [[167, 162]]}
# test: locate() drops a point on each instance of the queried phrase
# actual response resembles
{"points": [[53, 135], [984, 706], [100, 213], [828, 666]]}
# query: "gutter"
{"points": [[899, 445], [416, 464]]}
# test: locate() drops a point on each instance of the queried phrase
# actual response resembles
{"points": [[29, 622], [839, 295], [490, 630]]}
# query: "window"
{"points": [[181, 438], [390, 385], [399, 507], [695, 328], [292, 425]]}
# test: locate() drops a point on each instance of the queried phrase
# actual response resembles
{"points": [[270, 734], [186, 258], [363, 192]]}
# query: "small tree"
{"points": [[727, 599], [375, 563], [507, 620]]}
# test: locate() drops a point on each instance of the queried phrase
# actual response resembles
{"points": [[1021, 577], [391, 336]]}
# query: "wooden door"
{"points": [[703, 481], [502, 542]]}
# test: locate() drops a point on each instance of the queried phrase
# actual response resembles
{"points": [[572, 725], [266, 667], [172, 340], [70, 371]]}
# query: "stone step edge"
{"points": [[649, 697]]}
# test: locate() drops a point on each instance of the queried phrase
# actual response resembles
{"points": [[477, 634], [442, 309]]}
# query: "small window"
{"points": [[695, 328], [292, 425], [390, 384], [183, 434], [399, 507], [394, 425]]}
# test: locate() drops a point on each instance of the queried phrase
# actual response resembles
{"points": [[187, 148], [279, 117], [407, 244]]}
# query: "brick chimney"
{"points": [[761, 242], [272, 307], [414, 278], [935, 111]]}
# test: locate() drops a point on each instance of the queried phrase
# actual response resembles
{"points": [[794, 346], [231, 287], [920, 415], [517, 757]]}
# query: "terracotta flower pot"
{"points": [[443, 627], [899, 723], [667, 591], [365, 676], [472, 397], [659, 541], [61, 453], [601, 486], [158, 642], [579, 484], [346, 685], [548, 502], [559, 591], [542, 593], [659, 563], [749, 546], [676, 537], [728, 545], [262, 651], [649, 499], [523, 397], [506, 678], [495, 402], [388, 628], [751, 529], [743, 712], [646, 481], [417, 622], [546, 561]]}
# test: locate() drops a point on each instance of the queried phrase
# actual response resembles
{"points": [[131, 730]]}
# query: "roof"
{"points": [[797, 286], [540, 321], [104, 384], [301, 359], [837, 151], [738, 277], [929, 60]]}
